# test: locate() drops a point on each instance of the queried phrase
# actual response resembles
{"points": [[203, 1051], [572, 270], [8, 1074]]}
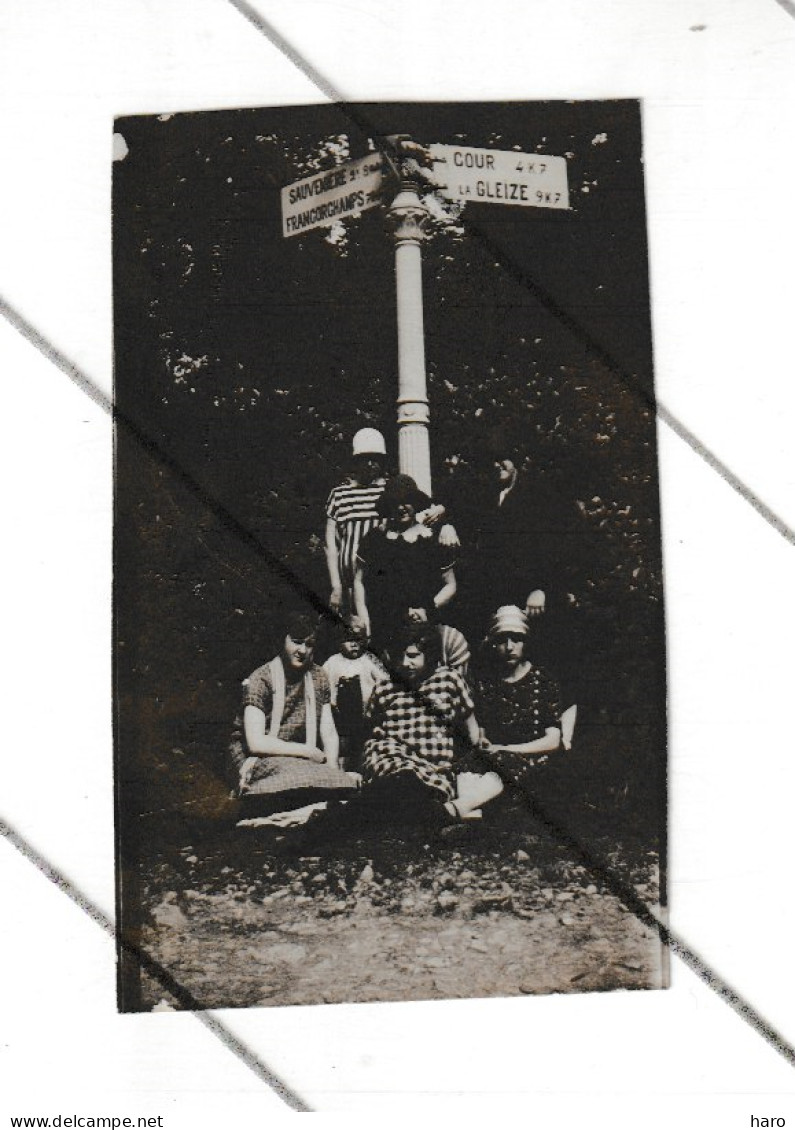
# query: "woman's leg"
{"points": [[473, 790]]}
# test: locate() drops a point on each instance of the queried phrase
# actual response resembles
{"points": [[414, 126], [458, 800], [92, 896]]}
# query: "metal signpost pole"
{"points": [[409, 217], [458, 172]]}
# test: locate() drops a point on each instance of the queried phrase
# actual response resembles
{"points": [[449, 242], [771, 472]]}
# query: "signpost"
{"points": [[458, 172], [500, 176], [319, 200], [409, 217]]}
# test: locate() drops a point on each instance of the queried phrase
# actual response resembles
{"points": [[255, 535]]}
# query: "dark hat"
{"points": [[398, 490]]}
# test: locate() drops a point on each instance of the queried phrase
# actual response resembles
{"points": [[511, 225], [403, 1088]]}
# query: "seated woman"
{"points": [[402, 569], [519, 707], [416, 716], [275, 754]]}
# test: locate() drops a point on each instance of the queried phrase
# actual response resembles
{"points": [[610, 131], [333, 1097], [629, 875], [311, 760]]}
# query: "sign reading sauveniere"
{"points": [[319, 200]]}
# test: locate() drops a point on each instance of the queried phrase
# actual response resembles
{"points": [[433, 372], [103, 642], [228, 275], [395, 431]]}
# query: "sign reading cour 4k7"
{"points": [[500, 176], [319, 200]]}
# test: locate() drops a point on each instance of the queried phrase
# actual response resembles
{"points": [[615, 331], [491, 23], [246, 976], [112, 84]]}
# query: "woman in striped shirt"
{"points": [[351, 513]]}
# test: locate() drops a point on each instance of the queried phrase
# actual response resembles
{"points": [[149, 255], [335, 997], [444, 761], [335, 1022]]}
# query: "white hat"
{"points": [[369, 441], [508, 620]]}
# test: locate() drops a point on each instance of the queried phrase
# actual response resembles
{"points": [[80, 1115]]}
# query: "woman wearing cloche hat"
{"points": [[519, 706], [352, 511]]}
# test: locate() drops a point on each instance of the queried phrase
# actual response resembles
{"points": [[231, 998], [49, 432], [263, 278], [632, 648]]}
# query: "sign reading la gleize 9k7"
{"points": [[500, 176]]}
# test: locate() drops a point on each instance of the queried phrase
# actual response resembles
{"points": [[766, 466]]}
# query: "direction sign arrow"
{"points": [[500, 176], [319, 200]]}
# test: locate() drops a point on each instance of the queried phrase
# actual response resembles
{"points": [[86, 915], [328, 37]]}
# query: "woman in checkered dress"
{"points": [[419, 719]]}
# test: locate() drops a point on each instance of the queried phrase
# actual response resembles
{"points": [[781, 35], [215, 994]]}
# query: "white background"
{"points": [[717, 78]]}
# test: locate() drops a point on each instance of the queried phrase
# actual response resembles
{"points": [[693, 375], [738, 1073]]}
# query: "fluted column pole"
{"points": [[409, 217]]}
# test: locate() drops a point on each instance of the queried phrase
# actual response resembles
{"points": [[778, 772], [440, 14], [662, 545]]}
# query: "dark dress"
{"points": [[399, 575], [514, 714]]}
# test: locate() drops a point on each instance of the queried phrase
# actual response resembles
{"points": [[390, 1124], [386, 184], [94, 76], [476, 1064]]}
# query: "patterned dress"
{"points": [[276, 774], [515, 714], [414, 731], [519, 712]]}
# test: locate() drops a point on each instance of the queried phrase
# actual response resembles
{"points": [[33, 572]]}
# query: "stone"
{"points": [[488, 903], [332, 908], [522, 856], [170, 916], [289, 952], [446, 901]]}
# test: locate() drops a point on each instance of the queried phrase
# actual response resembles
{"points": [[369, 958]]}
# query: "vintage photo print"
{"points": [[389, 642]]}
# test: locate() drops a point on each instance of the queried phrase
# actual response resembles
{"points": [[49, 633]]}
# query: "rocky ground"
{"points": [[249, 919]]}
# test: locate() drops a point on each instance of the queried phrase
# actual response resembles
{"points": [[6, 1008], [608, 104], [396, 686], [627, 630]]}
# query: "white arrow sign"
{"points": [[500, 176], [319, 200]]}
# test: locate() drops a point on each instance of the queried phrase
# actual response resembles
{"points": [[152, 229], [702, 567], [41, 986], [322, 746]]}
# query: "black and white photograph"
{"points": [[389, 638], [210, 197]]}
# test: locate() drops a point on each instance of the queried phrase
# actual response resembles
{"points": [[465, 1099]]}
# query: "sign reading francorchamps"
{"points": [[498, 176], [319, 200]]}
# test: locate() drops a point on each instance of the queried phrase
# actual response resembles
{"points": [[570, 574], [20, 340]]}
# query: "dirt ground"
{"points": [[248, 921]]}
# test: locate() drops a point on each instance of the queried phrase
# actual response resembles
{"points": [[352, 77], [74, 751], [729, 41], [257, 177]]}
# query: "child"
{"points": [[352, 673]]}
